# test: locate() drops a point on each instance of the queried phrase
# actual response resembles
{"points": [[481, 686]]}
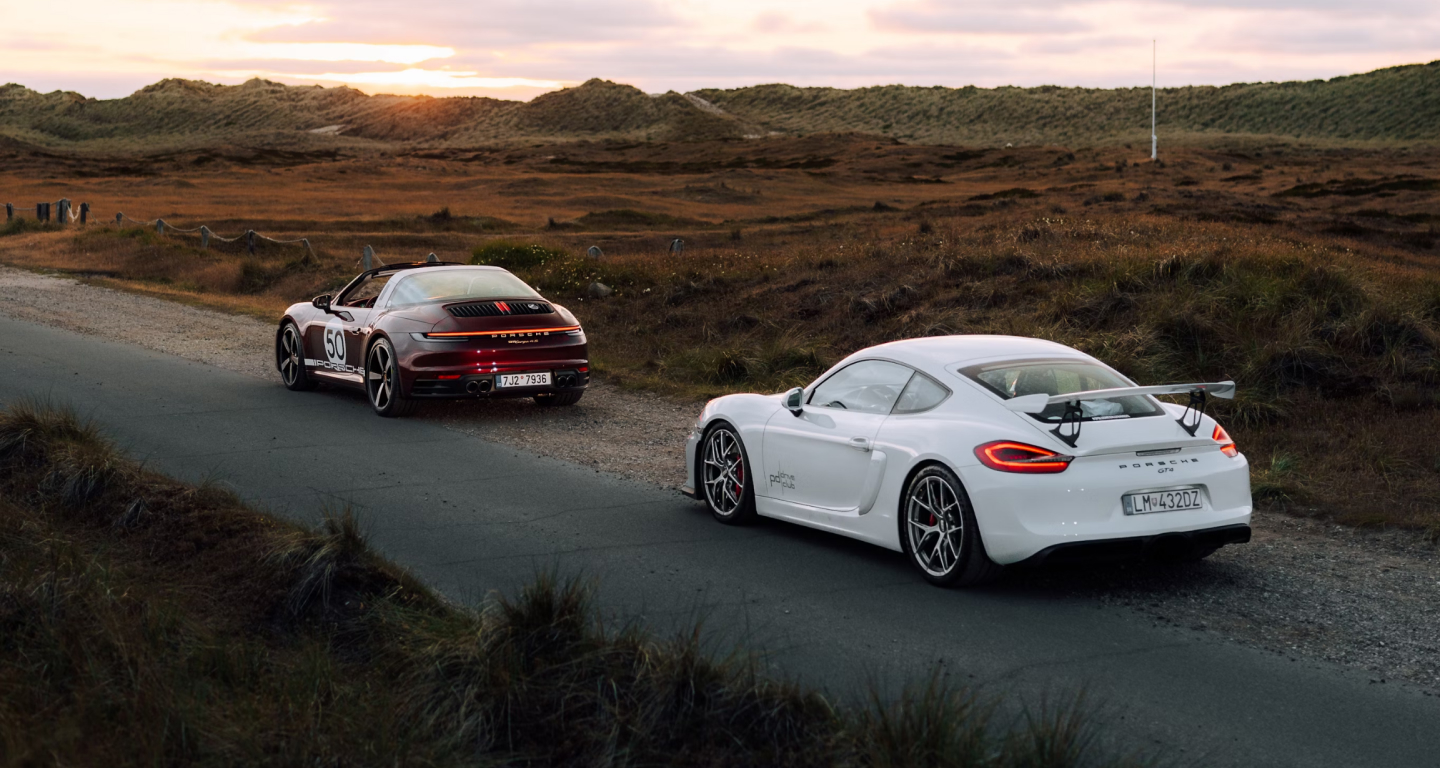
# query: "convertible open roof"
{"points": [[408, 265]]}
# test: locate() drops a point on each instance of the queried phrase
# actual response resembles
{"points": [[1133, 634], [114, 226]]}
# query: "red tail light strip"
{"points": [[515, 332], [1008, 456], [1227, 446]]}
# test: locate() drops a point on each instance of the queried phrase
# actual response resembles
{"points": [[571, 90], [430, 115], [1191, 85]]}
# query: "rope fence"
{"points": [[68, 214]]}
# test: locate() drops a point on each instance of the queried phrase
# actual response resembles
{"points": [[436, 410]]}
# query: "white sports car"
{"points": [[970, 453]]}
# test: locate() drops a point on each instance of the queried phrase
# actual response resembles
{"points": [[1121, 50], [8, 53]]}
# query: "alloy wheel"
{"points": [[724, 472], [935, 525], [291, 362], [380, 376]]}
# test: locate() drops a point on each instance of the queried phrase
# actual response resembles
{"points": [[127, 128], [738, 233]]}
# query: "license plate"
{"points": [[541, 379], [1175, 500]]}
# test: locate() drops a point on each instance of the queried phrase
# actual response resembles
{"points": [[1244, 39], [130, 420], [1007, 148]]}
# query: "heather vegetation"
{"points": [[1307, 276], [148, 622], [1399, 104]]}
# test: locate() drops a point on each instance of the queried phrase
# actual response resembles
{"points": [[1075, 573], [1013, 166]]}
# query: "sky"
{"points": [[517, 49]]}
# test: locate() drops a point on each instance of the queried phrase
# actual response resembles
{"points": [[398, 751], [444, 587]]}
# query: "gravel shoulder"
{"points": [[1302, 588]]}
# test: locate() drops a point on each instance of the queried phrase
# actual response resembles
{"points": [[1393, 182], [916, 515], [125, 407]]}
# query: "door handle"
{"points": [[860, 444]]}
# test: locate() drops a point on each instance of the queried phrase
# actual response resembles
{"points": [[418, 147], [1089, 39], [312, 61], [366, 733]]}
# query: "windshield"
{"points": [[459, 285], [1062, 377]]}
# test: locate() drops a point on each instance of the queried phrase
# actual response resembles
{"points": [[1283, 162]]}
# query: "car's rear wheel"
{"points": [[290, 359], [725, 476], [382, 381], [551, 399], [939, 533]]}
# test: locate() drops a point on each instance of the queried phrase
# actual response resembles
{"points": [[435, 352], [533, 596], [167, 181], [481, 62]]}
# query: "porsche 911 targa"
{"points": [[409, 332]]}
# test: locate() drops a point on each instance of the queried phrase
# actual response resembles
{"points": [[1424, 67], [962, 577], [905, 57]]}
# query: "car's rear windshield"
{"points": [[1062, 377], [459, 285]]}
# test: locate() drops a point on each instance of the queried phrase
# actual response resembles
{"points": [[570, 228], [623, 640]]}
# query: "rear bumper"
{"points": [[563, 378], [1021, 516], [1173, 544]]}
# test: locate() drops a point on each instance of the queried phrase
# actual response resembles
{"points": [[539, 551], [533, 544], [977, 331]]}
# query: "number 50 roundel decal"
{"points": [[335, 346]]}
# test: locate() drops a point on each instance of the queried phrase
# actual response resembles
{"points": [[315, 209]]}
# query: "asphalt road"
{"points": [[470, 516]]}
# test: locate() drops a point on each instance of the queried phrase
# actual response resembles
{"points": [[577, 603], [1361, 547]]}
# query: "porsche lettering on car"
{"points": [[971, 453], [429, 330]]}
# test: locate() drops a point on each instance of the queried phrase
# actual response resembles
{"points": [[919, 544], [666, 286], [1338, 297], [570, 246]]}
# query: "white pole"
{"points": [[1154, 141]]}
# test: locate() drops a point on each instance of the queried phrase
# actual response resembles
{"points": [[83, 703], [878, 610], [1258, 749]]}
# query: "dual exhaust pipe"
{"points": [[478, 386]]}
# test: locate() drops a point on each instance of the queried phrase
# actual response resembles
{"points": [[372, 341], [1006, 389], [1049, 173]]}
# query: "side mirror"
{"points": [[794, 401], [322, 302]]}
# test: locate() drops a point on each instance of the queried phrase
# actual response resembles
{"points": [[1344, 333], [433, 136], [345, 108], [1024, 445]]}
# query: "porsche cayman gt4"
{"points": [[404, 333], [970, 453]]}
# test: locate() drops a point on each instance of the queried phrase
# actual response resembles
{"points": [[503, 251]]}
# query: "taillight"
{"points": [[1227, 446], [1008, 456]]}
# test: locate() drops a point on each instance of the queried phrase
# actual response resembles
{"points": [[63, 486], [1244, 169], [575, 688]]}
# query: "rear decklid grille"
{"points": [[499, 308]]}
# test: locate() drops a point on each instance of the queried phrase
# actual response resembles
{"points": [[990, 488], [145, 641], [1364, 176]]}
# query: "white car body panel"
{"points": [[808, 472]]}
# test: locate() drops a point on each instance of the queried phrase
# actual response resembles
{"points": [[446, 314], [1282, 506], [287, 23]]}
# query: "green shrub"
{"points": [[510, 254], [22, 226]]}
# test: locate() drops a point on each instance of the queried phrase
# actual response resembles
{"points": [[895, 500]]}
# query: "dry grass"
{"points": [[1308, 276], [143, 621], [228, 122]]}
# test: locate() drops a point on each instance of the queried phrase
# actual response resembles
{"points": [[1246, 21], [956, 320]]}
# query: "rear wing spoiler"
{"points": [[1224, 390], [1188, 421]]}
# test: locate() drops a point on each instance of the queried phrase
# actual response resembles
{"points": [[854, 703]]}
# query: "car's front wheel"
{"points": [[382, 381], [290, 359], [939, 532], [725, 476]]}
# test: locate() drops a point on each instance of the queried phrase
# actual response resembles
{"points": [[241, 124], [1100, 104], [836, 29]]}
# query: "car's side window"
{"points": [[921, 394], [869, 386], [363, 295]]}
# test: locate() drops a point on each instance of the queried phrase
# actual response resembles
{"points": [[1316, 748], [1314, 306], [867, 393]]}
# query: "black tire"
{"points": [[933, 504], [555, 399], [718, 478], [290, 358], [382, 381]]}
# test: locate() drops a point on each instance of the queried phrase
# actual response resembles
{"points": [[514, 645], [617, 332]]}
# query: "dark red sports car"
{"points": [[408, 332]]}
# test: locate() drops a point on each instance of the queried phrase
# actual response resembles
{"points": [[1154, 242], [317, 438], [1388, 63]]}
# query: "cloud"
{"points": [[426, 78], [774, 22], [391, 54], [493, 24], [930, 17]]}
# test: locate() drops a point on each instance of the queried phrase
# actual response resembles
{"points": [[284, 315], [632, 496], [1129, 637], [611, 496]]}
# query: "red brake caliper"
{"points": [[739, 475]]}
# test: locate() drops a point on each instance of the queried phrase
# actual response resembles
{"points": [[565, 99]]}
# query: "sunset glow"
{"points": [[517, 48]]}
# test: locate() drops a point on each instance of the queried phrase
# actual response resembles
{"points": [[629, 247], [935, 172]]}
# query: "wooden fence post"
{"points": [[368, 259], [118, 216], [250, 241], [42, 211], [432, 258], [159, 226], [84, 213], [9, 212], [62, 212], [677, 246], [204, 237]]}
